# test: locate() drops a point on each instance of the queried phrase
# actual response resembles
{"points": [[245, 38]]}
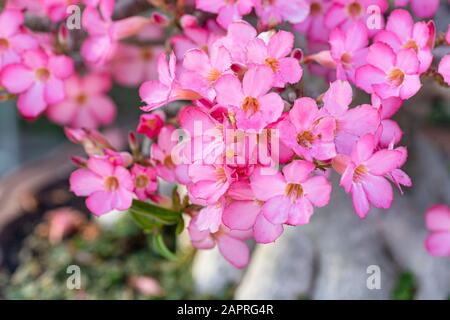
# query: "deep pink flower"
{"points": [[145, 183], [273, 12], [250, 101], [388, 74], [133, 65], [364, 175], [402, 33], [444, 68], [107, 187], [349, 50], [56, 10], [12, 40], [231, 243], [38, 80], [151, 124], [228, 11], [274, 54], [157, 93], [307, 132], [314, 26], [87, 104], [290, 196], [438, 223], [345, 12], [203, 70]]}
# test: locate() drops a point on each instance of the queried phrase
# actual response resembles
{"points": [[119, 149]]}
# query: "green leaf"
{"points": [[180, 226], [146, 214], [161, 248]]}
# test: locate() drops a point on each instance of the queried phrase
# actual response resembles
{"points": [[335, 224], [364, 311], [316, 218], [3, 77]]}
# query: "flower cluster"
{"points": [[250, 150]]}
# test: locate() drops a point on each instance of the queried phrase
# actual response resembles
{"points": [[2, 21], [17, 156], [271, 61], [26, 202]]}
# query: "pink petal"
{"points": [[210, 218], [378, 191], [281, 44], [317, 190], [438, 244], [368, 75], [407, 61], [276, 210], [289, 71], [155, 94], [196, 60], [266, 232], [100, 202], [61, 66], [401, 23], [234, 251], [303, 113], [54, 91], [84, 182], [360, 120], [360, 202], [300, 212], [298, 171], [241, 215], [16, 78], [226, 84], [257, 51], [271, 106], [257, 81], [267, 186], [381, 56], [32, 103], [363, 149], [411, 85], [338, 97], [437, 218]]}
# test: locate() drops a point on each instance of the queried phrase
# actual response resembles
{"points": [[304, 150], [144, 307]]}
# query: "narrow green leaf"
{"points": [[155, 213], [180, 226]]}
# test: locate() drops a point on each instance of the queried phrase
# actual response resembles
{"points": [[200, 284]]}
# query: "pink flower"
{"points": [[402, 33], [345, 12], [349, 50], [231, 243], [351, 123], [308, 133], [228, 11], [56, 10], [145, 183], [274, 54], [290, 196], [314, 25], [437, 219], [38, 81], [208, 182], [253, 106], [273, 12], [388, 74], [157, 93], [151, 124], [364, 175], [107, 187], [422, 9], [202, 71], [12, 40], [444, 68], [104, 32], [86, 105], [244, 213], [133, 65]]}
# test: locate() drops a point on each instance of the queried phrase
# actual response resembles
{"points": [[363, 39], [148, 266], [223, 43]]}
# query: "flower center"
{"points": [[141, 181], [111, 184], [42, 74], [346, 59], [359, 173], [152, 123], [147, 54], [315, 8], [4, 44], [221, 175], [250, 104], [396, 77], [272, 63], [168, 162], [82, 99], [213, 75], [411, 44], [305, 139], [294, 191], [354, 9]]}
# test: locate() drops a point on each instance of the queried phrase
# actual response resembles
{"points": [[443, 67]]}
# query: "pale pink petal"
{"points": [[424, 9], [266, 232], [407, 61], [54, 91], [438, 244], [257, 51], [298, 171], [61, 66], [32, 103], [257, 81], [378, 191], [401, 23], [241, 215], [368, 75], [100, 202], [303, 113], [281, 44], [226, 84], [234, 251], [300, 212], [267, 186], [437, 218], [381, 56], [271, 106], [317, 190], [411, 85], [360, 202], [84, 182], [210, 218], [338, 97], [289, 71], [363, 149], [16, 78], [276, 210]]}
